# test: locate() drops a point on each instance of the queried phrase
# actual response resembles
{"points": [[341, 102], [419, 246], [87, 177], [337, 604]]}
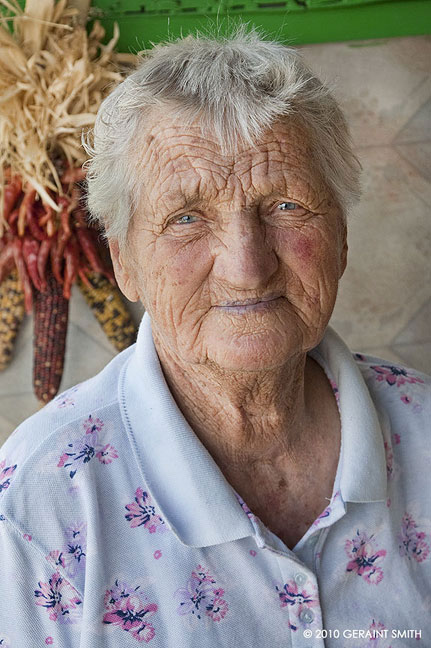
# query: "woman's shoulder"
{"points": [[404, 393], [46, 462]]}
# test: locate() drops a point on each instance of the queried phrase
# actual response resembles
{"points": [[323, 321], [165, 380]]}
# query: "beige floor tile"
{"points": [[84, 357], [418, 128], [418, 329], [380, 84], [388, 275], [418, 154], [6, 428], [417, 356]]}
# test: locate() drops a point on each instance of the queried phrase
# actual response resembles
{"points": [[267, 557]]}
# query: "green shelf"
{"points": [[143, 22]]}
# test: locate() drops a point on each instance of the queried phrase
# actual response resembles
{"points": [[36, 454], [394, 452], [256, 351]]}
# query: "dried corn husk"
{"points": [[53, 77]]}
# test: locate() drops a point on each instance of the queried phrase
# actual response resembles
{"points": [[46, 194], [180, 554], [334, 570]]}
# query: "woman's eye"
{"points": [[184, 220], [288, 206]]}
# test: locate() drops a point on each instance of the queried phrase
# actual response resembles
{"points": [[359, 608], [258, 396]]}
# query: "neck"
{"points": [[245, 418]]}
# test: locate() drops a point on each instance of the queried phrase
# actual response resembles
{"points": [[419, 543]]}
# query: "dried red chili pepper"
{"points": [[30, 252], [89, 249], [12, 192], [29, 196], [42, 259], [23, 275], [32, 222], [56, 260], [71, 267]]}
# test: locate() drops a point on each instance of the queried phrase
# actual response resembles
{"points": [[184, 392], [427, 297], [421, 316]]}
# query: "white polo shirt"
{"points": [[118, 528]]}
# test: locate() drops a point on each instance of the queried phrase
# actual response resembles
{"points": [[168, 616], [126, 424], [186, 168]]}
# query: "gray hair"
{"points": [[237, 86]]}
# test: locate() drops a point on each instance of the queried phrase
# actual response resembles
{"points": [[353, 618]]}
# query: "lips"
{"points": [[251, 304]]}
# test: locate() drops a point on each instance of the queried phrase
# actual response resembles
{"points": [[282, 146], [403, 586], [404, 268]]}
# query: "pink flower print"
{"points": [[6, 473], [92, 425], [362, 552], [202, 574], [389, 460], [200, 597], [78, 453], [412, 542], [335, 390], [28, 537], [406, 399], [60, 599], [324, 514], [49, 641], [298, 598], [130, 611], [218, 609], [56, 558], [71, 557], [396, 438], [394, 375], [157, 554], [142, 512], [244, 506], [64, 400], [107, 454], [252, 552]]}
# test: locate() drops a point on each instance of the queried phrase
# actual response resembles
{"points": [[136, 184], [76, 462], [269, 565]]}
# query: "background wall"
{"points": [[384, 305]]}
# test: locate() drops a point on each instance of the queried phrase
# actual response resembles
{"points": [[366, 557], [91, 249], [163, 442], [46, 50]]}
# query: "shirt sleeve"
{"points": [[38, 606]]}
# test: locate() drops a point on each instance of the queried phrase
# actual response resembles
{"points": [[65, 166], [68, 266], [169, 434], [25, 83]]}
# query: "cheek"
{"points": [[308, 252], [179, 272]]}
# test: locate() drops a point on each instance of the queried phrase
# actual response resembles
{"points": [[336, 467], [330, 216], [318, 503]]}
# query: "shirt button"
{"points": [[306, 615], [300, 579]]}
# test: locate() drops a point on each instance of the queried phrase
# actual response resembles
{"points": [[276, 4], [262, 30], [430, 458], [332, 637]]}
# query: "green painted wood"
{"points": [[320, 21]]}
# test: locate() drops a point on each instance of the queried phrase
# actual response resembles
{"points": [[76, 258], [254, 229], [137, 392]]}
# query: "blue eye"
{"points": [[184, 220], [288, 206]]}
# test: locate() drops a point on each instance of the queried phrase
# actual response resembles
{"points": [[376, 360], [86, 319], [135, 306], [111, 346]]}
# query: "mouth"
{"points": [[251, 305]]}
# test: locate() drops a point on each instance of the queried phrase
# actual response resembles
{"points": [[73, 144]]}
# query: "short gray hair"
{"points": [[237, 86]]}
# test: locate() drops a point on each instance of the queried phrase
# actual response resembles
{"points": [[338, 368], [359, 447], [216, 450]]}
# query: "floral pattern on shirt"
{"points": [[130, 610], [71, 556], [400, 378], [60, 599], [412, 542], [65, 399], [142, 512], [82, 450], [298, 599], [201, 597], [6, 473], [364, 556]]}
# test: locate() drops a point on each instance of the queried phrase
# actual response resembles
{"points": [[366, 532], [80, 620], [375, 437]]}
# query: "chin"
{"points": [[252, 352]]}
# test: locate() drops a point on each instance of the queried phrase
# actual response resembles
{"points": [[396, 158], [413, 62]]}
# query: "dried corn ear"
{"points": [[109, 309], [51, 311], [11, 316]]}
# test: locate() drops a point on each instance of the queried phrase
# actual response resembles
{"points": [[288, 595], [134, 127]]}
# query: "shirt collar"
{"points": [[192, 494], [362, 466]]}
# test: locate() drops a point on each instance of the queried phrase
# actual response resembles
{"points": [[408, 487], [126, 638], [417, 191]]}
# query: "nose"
{"points": [[245, 258]]}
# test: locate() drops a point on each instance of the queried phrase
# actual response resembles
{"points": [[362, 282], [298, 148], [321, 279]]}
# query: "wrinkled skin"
{"points": [[211, 230]]}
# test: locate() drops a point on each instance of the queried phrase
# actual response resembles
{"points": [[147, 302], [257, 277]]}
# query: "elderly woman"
{"points": [[237, 477]]}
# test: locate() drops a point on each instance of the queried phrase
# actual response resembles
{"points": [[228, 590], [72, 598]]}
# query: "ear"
{"points": [[122, 271], [343, 260]]}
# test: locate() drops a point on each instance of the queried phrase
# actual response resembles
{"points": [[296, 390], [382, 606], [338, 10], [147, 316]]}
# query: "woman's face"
{"points": [[236, 259]]}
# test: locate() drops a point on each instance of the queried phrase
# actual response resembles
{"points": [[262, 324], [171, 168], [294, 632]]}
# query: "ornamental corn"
{"points": [[51, 312], [11, 316], [110, 311]]}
